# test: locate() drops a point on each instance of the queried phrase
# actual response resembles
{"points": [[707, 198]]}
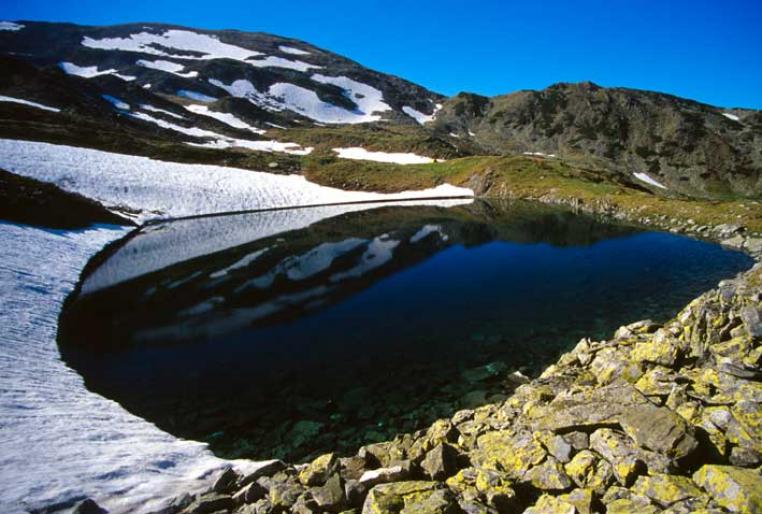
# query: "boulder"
{"points": [[441, 462], [318, 471], [736, 489], [409, 497], [266, 469], [330, 497], [588, 470], [505, 451], [666, 489]]}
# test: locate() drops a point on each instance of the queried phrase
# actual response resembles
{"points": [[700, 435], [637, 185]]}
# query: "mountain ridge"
{"points": [[232, 91]]}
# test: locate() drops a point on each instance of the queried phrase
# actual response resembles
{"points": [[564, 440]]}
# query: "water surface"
{"points": [[364, 325]]}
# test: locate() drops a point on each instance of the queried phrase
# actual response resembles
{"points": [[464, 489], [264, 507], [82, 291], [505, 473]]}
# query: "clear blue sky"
{"points": [[706, 50]]}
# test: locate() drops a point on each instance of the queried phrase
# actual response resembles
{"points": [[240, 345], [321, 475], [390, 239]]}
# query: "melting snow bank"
{"points": [[159, 188], [398, 158], [60, 442]]}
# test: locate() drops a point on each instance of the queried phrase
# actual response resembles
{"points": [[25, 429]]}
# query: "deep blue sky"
{"points": [[706, 50]]}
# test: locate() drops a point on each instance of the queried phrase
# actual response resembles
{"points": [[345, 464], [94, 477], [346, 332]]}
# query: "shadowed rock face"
{"points": [[361, 326], [689, 147]]}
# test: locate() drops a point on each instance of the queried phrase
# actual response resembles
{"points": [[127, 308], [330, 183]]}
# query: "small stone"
{"points": [[210, 503], [331, 496], [547, 504], [88, 506], [383, 475], [267, 469], [559, 448], [441, 462], [734, 242], [582, 499], [355, 492], [549, 476], [226, 481], [586, 469], [400, 497], [752, 321], [631, 505], [613, 447], [736, 489], [251, 493], [578, 440], [284, 495]]}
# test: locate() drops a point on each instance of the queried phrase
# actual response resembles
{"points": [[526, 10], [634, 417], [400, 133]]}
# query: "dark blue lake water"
{"points": [[361, 326]]}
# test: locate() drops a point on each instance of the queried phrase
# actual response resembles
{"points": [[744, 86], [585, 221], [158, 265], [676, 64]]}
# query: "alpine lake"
{"points": [[287, 334]]}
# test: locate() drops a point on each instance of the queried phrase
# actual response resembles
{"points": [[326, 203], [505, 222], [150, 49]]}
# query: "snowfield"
{"points": [[159, 188], [29, 103], [209, 47], [306, 102], [279, 62], [364, 155], [49, 419]]}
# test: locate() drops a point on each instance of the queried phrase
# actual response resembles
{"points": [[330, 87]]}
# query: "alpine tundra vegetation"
{"points": [[244, 274]]}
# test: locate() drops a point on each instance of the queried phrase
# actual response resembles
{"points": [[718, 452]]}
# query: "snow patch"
{"points": [[167, 66], [126, 78], [27, 102], [190, 45], [159, 188], [224, 117], [368, 99], [292, 50], [9, 25], [418, 115], [541, 154], [731, 116], [364, 155], [195, 95], [648, 180], [151, 108], [279, 62], [87, 72], [116, 102]]}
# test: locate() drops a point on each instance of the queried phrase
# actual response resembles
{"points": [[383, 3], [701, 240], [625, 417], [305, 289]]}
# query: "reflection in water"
{"points": [[360, 326]]}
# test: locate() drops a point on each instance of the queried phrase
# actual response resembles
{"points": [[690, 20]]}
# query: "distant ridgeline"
{"points": [[254, 100]]}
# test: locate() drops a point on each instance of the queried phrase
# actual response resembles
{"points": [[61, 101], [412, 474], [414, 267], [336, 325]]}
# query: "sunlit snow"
{"points": [[279, 62], [731, 116], [9, 25], [160, 188], [418, 115], [190, 45], [397, 158], [84, 71], [167, 66], [292, 50], [151, 108], [224, 117]]}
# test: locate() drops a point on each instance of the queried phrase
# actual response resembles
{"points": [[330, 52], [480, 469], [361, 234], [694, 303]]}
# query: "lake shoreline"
{"points": [[563, 442]]}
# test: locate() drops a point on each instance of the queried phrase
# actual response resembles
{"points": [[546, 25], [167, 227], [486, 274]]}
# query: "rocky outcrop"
{"points": [[660, 418]]}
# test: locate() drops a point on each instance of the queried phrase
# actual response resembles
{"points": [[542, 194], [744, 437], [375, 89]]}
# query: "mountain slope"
{"points": [[283, 81], [682, 145]]}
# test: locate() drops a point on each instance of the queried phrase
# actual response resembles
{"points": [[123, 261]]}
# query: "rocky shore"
{"points": [[659, 418]]}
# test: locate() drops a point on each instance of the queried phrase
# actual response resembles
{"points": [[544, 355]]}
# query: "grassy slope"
{"points": [[530, 178]]}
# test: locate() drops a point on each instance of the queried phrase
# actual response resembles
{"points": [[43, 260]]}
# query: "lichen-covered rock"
{"points": [[547, 504], [736, 489], [283, 495], [506, 451], [440, 462], [614, 447], [330, 497], [210, 503], [659, 350], [549, 476], [582, 499], [665, 489], [318, 471], [409, 497], [654, 428], [588, 470]]}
